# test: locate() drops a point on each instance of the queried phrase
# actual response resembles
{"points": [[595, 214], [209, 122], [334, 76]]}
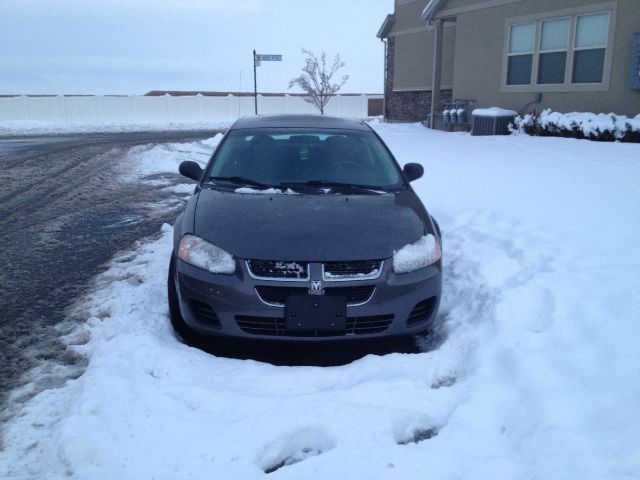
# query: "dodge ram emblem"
{"points": [[316, 288]]}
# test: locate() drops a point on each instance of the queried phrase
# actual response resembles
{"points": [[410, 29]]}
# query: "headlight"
{"points": [[200, 253], [420, 254]]}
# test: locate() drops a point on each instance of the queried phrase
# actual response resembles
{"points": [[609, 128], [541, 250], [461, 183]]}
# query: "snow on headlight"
{"points": [[200, 253], [417, 255]]}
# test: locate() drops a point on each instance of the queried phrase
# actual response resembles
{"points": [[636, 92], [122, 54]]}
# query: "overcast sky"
{"points": [[133, 46]]}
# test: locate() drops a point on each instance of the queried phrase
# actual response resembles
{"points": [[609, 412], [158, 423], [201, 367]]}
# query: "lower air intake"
{"points": [[204, 313], [276, 326], [421, 312]]}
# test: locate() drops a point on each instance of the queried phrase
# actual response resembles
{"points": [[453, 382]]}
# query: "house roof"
{"points": [[383, 32], [430, 10]]}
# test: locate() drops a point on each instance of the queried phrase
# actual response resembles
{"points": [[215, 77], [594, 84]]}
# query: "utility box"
{"points": [[634, 69], [455, 115], [492, 121]]}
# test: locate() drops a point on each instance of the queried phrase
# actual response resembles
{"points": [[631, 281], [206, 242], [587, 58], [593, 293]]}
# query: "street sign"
{"points": [[261, 57], [258, 58]]}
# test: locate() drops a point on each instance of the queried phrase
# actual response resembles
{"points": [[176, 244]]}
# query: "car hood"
{"points": [[309, 227]]}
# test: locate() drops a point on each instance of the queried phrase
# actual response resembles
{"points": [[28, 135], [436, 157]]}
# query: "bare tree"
{"points": [[316, 77]]}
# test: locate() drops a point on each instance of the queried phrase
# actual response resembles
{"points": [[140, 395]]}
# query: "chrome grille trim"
{"points": [[279, 305]]}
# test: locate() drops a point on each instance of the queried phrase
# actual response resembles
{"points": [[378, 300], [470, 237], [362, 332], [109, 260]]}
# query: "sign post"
{"points": [[258, 58]]}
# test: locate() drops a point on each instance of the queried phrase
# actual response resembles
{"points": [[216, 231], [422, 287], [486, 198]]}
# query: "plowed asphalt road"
{"points": [[63, 214]]}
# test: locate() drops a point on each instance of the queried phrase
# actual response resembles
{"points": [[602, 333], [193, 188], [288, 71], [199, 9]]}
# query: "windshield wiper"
{"points": [[334, 186], [243, 181]]}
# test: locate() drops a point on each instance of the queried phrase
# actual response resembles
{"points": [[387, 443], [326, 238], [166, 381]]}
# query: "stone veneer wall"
{"points": [[407, 106]]}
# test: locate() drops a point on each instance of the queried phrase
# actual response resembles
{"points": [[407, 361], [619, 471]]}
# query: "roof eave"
{"points": [[385, 28]]}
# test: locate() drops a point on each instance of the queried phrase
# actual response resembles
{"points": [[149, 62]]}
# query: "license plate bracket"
{"points": [[315, 312]]}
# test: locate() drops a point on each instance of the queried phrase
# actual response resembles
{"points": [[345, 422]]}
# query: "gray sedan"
{"points": [[304, 228]]}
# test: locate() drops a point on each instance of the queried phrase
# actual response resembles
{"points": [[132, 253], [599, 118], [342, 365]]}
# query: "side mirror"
{"points": [[413, 171], [191, 169]]}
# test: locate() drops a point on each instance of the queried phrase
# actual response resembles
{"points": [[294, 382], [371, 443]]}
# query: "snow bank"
{"points": [[152, 159], [580, 125], [537, 376]]}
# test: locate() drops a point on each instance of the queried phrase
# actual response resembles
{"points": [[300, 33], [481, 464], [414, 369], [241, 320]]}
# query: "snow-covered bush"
{"points": [[600, 127]]}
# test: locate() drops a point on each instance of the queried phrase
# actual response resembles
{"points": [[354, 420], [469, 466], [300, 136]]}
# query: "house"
{"points": [[523, 55]]}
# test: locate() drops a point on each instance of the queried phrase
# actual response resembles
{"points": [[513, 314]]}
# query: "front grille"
{"points": [[358, 294], [421, 312], [295, 270], [276, 326], [275, 269], [352, 269], [204, 313], [279, 295]]}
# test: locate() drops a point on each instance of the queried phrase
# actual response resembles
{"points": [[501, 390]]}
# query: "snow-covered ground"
{"points": [[538, 377], [42, 128]]}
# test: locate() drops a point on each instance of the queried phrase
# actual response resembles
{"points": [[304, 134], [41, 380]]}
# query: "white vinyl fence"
{"points": [[166, 108]]}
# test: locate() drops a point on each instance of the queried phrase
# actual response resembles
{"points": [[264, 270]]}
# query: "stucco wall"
{"points": [[408, 15], [478, 63], [414, 59], [409, 105]]}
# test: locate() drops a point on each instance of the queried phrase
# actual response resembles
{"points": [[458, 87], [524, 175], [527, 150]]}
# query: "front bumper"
{"points": [[230, 305]]}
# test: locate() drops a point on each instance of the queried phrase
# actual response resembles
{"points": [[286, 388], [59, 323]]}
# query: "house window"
{"points": [[590, 47], [521, 41], [558, 52], [554, 43]]}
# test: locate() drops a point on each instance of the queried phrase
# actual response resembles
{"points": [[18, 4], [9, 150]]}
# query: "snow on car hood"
{"points": [[309, 227]]}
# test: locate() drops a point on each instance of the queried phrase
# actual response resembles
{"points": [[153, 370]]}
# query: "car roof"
{"points": [[300, 121]]}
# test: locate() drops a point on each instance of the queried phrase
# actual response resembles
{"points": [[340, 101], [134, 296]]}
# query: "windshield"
{"points": [[331, 158]]}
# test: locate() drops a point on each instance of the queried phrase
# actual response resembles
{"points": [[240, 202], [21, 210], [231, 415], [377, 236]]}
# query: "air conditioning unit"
{"points": [[492, 121]]}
